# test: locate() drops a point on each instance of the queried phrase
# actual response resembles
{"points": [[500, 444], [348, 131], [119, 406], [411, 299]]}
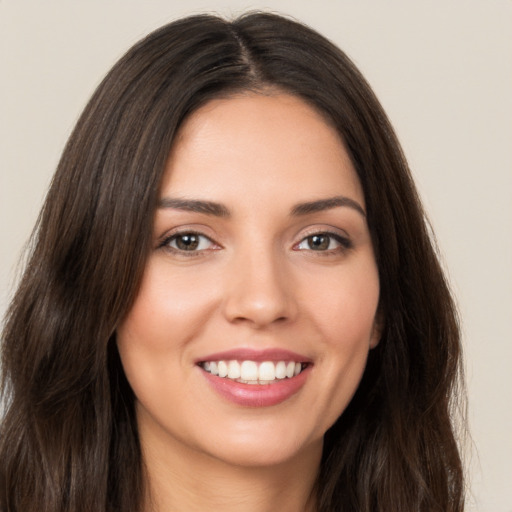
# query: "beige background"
{"points": [[443, 71]]}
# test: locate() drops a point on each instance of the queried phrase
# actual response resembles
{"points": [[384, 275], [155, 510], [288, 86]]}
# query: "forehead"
{"points": [[255, 143]]}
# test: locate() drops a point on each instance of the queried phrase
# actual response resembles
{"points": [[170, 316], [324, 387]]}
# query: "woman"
{"points": [[232, 300]]}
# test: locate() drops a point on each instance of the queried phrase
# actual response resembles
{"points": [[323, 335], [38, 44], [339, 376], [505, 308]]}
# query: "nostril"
{"points": [[259, 320]]}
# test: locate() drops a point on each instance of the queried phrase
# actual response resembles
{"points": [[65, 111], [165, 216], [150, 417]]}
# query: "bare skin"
{"points": [[261, 253], [179, 482]]}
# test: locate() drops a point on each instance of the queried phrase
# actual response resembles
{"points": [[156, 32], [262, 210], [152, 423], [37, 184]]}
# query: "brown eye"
{"points": [[188, 242], [323, 242], [319, 242]]}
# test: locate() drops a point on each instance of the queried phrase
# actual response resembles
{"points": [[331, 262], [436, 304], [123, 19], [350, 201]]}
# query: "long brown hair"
{"points": [[69, 440]]}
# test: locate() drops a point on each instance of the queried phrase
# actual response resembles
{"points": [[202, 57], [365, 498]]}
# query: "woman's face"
{"points": [[257, 308]]}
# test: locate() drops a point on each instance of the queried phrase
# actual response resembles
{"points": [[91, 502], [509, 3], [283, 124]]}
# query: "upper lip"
{"points": [[249, 354]]}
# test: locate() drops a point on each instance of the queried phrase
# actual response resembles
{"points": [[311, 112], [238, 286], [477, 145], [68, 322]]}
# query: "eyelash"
{"points": [[344, 243], [166, 243]]}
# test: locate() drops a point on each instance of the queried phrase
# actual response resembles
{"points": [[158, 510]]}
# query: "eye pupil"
{"points": [[318, 242], [188, 242]]}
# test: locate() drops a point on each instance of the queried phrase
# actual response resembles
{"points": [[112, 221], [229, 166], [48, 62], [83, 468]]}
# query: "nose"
{"points": [[260, 291]]}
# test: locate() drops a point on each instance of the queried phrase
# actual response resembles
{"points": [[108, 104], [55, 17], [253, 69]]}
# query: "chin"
{"points": [[273, 454], [263, 447]]}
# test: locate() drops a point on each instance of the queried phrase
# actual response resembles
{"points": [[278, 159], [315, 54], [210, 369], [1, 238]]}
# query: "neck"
{"points": [[180, 479]]}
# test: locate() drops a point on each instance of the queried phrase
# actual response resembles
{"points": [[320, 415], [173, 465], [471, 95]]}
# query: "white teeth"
{"points": [[267, 371], [233, 370], [250, 372], [223, 369], [281, 370]]}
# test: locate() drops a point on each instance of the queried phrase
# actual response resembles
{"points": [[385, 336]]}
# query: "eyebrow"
{"points": [[194, 205], [327, 204], [219, 210]]}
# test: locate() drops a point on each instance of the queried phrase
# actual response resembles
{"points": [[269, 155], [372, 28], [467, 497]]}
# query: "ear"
{"points": [[377, 329]]}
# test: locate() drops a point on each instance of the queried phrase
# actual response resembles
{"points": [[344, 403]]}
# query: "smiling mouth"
{"points": [[252, 372]]}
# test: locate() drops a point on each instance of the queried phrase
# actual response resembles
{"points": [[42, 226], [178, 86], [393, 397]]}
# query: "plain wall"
{"points": [[443, 71]]}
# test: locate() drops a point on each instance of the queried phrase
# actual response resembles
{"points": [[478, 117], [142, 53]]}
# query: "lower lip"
{"points": [[256, 395]]}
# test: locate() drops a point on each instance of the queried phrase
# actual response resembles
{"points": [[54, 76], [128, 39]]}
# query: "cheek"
{"points": [[346, 320], [346, 311], [153, 338], [168, 311]]}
